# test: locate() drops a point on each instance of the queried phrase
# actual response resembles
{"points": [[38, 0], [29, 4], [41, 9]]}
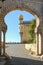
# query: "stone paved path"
{"points": [[20, 61], [2, 62], [19, 56]]}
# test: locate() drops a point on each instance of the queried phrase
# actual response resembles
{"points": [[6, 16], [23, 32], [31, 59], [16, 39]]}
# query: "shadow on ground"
{"points": [[22, 61]]}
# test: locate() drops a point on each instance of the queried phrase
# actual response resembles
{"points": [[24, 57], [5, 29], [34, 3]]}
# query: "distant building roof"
{"points": [[25, 22]]}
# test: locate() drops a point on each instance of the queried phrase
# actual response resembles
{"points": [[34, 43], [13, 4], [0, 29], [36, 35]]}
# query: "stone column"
{"points": [[37, 35], [4, 43], [41, 26], [37, 44], [0, 42], [39, 41], [42, 44]]}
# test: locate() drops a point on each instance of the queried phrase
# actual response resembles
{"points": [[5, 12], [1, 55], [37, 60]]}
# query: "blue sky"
{"points": [[12, 21]]}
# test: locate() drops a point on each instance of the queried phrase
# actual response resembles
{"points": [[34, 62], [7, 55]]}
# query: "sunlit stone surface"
{"points": [[33, 6]]}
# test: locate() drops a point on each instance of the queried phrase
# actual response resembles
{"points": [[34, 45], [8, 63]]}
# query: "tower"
{"points": [[21, 26], [24, 25], [21, 18]]}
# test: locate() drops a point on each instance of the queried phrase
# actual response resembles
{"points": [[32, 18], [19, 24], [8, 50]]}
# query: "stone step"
{"points": [[2, 58]]}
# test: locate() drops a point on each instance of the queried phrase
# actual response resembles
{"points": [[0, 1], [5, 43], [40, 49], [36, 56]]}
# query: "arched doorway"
{"points": [[22, 5]]}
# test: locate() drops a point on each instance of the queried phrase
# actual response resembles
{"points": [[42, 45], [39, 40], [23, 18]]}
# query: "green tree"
{"points": [[31, 31]]}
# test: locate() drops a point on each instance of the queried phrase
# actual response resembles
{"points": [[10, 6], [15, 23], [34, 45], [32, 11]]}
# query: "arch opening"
{"points": [[22, 6], [30, 19], [13, 20]]}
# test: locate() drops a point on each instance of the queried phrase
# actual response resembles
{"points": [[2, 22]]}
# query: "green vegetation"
{"points": [[31, 31]]}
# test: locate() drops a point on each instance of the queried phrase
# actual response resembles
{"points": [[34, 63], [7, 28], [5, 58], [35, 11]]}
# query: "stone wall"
{"points": [[24, 32], [31, 48], [35, 7]]}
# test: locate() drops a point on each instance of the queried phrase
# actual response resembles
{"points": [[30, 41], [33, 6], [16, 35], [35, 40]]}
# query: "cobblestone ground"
{"points": [[19, 56]]}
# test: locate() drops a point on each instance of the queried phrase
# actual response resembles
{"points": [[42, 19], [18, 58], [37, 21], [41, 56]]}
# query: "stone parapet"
{"points": [[31, 48]]}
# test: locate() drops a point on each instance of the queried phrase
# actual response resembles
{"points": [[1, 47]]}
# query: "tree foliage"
{"points": [[31, 31]]}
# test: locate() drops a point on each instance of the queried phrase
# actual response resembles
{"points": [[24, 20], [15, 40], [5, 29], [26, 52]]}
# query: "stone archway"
{"points": [[33, 6]]}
